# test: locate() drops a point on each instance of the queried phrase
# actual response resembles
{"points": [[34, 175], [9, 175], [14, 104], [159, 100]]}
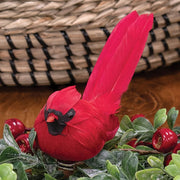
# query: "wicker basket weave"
{"points": [[58, 42]]}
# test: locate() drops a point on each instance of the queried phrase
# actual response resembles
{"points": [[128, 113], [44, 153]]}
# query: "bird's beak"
{"points": [[50, 119]]}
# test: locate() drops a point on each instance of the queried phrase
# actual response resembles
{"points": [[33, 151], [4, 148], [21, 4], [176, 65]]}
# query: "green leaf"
{"points": [[48, 177], [9, 139], [126, 123], [145, 148], [148, 173], [32, 136], [28, 160], [50, 164], [103, 176], [171, 117], [173, 170], [6, 172], [8, 155], [21, 174], [112, 169], [118, 156], [83, 178], [113, 142], [159, 177], [91, 172], [142, 125], [3, 145], [125, 146], [160, 118], [146, 136], [127, 136], [130, 164], [155, 162], [99, 161], [176, 159], [177, 177]]}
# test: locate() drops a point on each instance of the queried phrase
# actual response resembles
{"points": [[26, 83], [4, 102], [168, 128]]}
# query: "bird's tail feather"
{"points": [[106, 55], [118, 60]]}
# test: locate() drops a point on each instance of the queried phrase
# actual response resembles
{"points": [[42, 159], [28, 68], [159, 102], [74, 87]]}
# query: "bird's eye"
{"points": [[70, 114]]}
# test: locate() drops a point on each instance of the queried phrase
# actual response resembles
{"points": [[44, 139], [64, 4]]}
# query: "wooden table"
{"points": [[148, 92]]}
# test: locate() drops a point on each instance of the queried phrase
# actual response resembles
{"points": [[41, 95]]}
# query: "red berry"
{"points": [[132, 143], [136, 116], [149, 144], [167, 159], [177, 148], [16, 126], [23, 142], [164, 140]]}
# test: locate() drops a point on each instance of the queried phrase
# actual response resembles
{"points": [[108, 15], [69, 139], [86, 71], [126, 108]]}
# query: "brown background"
{"points": [[148, 92]]}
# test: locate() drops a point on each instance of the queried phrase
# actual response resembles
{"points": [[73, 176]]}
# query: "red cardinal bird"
{"points": [[71, 128]]}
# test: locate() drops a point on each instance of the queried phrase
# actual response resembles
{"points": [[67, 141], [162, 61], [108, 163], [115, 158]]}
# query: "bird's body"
{"points": [[90, 125], [74, 128]]}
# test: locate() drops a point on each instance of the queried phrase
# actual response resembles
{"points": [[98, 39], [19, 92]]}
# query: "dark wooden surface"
{"points": [[148, 92]]}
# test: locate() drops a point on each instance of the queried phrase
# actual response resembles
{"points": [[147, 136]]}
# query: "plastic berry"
{"points": [[167, 159], [149, 144], [164, 140], [134, 144], [177, 148], [136, 116], [16, 126], [23, 142]]}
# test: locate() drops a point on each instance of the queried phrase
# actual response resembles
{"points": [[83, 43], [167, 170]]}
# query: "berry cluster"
{"points": [[20, 134], [164, 140]]}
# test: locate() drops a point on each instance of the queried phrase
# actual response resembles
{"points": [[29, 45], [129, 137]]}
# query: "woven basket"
{"points": [[58, 42]]}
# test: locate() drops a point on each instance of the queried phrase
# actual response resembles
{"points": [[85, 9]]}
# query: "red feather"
{"points": [[105, 57], [89, 122]]}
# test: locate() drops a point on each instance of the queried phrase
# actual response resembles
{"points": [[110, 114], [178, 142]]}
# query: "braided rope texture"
{"points": [[58, 42]]}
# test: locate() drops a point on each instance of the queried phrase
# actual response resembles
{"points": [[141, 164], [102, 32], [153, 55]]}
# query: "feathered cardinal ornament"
{"points": [[71, 128]]}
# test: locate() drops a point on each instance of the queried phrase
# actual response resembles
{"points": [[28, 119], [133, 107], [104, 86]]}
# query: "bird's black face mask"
{"points": [[56, 127]]}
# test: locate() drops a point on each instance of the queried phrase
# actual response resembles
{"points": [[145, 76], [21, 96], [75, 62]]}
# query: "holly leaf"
{"points": [[171, 117], [146, 136], [144, 148], [176, 160], [21, 174], [9, 154], [9, 139], [155, 162], [173, 170], [48, 177], [148, 173], [142, 125], [176, 129], [160, 118], [112, 169], [177, 177], [3, 145], [113, 142], [127, 136], [129, 164], [99, 161], [103, 176], [125, 123], [32, 136], [91, 172]]}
